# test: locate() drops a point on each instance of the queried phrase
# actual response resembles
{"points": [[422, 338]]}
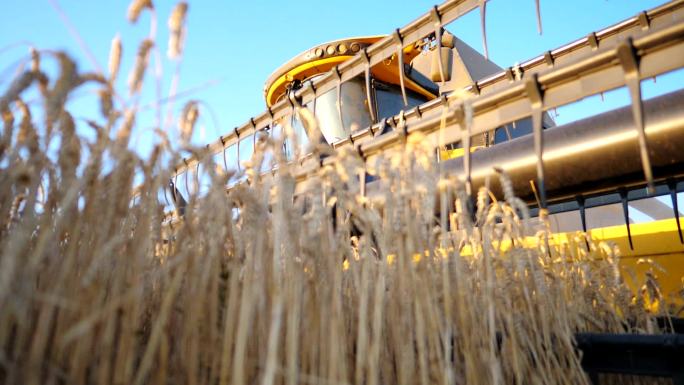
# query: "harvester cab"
{"points": [[431, 69]]}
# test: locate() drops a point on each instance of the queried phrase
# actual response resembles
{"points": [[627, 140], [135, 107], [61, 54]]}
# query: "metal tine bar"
{"points": [[483, 13], [535, 94], [625, 213], [539, 21], [400, 63], [630, 66], [672, 185], [369, 100], [438, 39]]}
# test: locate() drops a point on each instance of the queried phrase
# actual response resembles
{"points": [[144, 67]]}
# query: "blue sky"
{"points": [[232, 47]]}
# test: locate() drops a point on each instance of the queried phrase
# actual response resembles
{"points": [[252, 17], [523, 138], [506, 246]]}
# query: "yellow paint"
{"points": [[657, 251], [456, 152], [387, 71]]}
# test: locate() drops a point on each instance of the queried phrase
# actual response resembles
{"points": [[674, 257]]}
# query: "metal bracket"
{"points": [[400, 61], [630, 66], [643, 20], [437, 19], [536, 96], [382, 126], [475, 88], [548, 58], [593, 41], [509, 74], [401, 125]]}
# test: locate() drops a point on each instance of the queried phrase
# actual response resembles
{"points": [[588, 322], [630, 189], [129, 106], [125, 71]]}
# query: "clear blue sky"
{"points": [[237, 44]]}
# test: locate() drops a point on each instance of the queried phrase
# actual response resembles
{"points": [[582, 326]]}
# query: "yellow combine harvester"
{"points": [[616, 175], [653, 243]]}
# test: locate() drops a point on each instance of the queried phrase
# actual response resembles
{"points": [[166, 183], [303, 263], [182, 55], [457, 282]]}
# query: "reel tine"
{"points": [[225, 161], [237, 144], [535, 94], [438, 38], [367, 76], [467, 139], [582, 212], [187, 183], [400, 63], [166, 198], [630, 67], [672, 186], [339, 95], [223, 146], [483, 13], [254, 134], [583, 218], [539, 21], [197, 181], [625, 212]]}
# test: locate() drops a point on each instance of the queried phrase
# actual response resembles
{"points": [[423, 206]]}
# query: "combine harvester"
{"points": [[590, 175]]}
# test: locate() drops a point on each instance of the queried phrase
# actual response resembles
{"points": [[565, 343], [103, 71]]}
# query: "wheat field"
{"points": [[256, 285]]}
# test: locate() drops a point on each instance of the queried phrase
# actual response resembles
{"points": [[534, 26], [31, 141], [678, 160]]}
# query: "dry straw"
{"points": [[258, 285], [177, 30], [135, 79], [114, 58], [188, 119], [136, 7]]}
